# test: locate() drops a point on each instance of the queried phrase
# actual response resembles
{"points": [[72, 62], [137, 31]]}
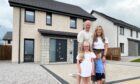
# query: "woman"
{"points": [[100, 45], [84, 63]]}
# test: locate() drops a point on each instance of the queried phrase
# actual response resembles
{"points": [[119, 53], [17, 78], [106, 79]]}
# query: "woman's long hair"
{"points": [[95, 34]]}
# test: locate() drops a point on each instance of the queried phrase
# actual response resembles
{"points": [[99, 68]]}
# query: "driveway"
{"points": [[25, 73]]}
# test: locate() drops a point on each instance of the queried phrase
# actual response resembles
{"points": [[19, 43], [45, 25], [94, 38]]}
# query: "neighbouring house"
{"points": [[119, 33], [8, 38], [45, 31]]}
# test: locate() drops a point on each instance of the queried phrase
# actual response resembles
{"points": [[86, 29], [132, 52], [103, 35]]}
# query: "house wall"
{"points": [[30, 30], [124, 39], [111, 32], [110, 29]]}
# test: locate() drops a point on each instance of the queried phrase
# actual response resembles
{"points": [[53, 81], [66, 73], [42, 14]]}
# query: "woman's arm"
{"points": [[105, 50]]}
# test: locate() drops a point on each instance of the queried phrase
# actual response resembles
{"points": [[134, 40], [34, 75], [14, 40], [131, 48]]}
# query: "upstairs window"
{"points": [[29, 16], [137, 34], [49, 18], [131, 32], [121, 30], [73, 22]]}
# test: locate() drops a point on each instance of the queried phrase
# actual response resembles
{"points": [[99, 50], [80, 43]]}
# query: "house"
{"points": [[8, 38], [45, 31], [119, 33]]}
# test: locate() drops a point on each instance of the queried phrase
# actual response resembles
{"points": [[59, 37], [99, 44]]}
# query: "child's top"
{"points": [[88, 56], [99, 66]]}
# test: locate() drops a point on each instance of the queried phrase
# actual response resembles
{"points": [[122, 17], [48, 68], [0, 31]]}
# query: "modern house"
{"points": [[45, 31], [8, 38], [119, 33]]}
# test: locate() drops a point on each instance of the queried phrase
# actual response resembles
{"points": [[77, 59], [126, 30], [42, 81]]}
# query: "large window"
{"points": [[29, 16], [122, 47], [131, 32], [73, 22], [121, 30], [49, 18]]}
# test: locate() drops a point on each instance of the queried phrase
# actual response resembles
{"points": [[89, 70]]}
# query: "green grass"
{"points": [[136, 60]]}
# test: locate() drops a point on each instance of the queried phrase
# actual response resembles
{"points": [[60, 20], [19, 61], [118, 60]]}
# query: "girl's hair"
{"points": [[81, 53], [102, 34]]}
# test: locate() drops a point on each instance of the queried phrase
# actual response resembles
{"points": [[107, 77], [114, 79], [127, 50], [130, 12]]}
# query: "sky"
{"points": [[126, 10]]}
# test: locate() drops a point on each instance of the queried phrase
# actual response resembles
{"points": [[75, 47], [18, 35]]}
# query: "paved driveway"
{"points": [[26, 73]]}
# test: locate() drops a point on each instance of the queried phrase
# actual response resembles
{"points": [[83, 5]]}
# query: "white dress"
{"points": [[86, 65]]}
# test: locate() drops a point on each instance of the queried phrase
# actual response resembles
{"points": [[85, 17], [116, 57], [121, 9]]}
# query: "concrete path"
{"points": [[26, 73], [116, 71]]}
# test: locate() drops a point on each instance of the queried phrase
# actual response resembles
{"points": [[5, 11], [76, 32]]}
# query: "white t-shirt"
{"points": [[100, 44], [88, 56], [85, 36]]}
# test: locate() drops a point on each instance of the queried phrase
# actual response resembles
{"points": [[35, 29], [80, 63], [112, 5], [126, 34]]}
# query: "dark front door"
{"points": [[75, 45], [28, 50], [61, 50]]}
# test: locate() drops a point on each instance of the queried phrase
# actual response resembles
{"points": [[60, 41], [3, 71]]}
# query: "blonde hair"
{"points": [[82, 52], [102, 34]]}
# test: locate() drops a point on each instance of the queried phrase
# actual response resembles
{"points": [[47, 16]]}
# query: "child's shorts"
{"points": [[93, 78], [100, 76]]}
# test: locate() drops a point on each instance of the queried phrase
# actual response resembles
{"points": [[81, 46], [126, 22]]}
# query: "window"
{"points": [[83, 23], [121, 30], [122, 47], [49, 18], [131, 32], [9, 41], [29, 16], [137, 34], [73, 23]]}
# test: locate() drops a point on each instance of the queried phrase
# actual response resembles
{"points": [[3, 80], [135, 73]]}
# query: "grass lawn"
{"points": [[136, 60]]}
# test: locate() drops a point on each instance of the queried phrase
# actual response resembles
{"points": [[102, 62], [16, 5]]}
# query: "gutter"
{"points": [[19, 35]]}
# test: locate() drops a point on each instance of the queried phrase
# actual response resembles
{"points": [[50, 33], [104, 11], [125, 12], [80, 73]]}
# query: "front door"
{"points": [[28, 50], [61, 50], [75, 50]]}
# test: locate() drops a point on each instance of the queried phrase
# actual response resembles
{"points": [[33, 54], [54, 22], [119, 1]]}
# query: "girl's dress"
{"points": [[86, 64]]}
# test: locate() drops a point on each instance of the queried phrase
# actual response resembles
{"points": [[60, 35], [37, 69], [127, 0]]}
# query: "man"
{"points": [[84, 35]]}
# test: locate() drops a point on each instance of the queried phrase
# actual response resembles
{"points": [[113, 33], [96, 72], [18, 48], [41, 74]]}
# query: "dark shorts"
{"points": [[99, 51], [100, 76], [93, 78]]}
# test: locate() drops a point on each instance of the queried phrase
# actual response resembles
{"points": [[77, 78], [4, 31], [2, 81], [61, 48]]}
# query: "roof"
{"points": [[53, 6], [57, 33], [8, 36], [117, 22]]}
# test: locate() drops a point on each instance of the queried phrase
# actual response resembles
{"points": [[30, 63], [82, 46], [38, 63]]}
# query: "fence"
{"points": [[114, 54], [5, 52]]}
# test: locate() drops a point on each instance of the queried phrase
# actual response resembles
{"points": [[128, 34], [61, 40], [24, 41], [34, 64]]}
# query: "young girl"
{"points": [[84, 63]]}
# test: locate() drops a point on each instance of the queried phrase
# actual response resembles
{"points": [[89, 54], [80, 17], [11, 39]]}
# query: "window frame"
{"points": [[26, 15], [131, 32], [50, 14], [121, 32], [137, 34], [74, 18], [122, 47]]}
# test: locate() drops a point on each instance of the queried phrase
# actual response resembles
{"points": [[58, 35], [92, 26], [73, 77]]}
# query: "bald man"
{"points": [[84, 35]]}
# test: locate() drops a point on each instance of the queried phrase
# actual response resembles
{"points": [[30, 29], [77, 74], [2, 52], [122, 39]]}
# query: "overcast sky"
{"points": [[126, 10]]}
